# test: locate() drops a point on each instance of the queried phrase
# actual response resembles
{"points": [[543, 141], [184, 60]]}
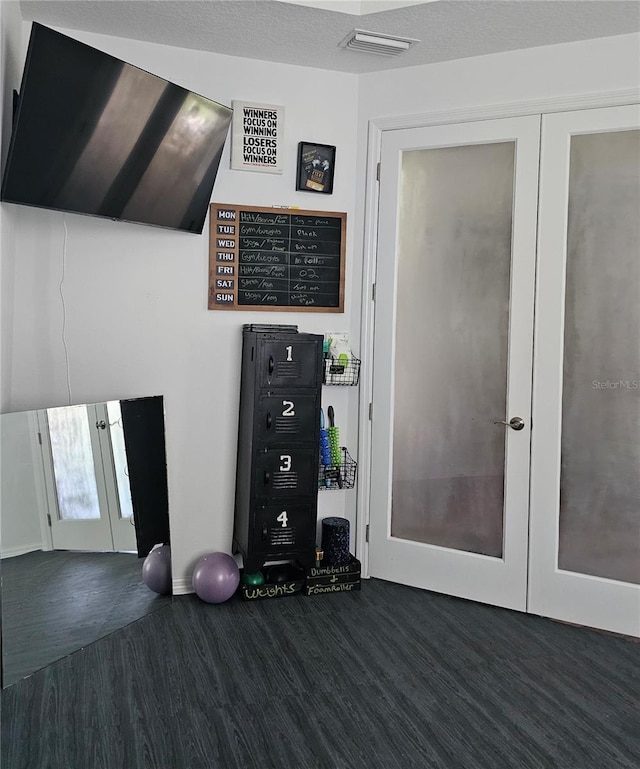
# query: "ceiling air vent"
{"points": [[377, 42]]}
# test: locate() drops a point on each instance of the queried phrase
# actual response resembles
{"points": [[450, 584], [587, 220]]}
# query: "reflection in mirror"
{"points": [[83, 502]]}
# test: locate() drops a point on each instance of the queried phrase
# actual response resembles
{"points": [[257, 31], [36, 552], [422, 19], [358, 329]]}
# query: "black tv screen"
{"points": [[94, 135]]}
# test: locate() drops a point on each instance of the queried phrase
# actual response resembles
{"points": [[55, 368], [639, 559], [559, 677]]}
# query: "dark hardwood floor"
{"points": [[56, 602], [385, 678]]}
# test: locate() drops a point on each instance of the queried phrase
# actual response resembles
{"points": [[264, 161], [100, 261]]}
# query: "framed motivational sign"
{"points": [[256, 137]]}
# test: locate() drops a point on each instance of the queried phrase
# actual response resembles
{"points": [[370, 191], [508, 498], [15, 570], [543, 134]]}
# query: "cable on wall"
{"points": [[64, 307]]}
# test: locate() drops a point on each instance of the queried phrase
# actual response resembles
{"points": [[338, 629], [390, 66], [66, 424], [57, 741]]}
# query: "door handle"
{"points": [[516, 423], [101, 424], [268, 420]]}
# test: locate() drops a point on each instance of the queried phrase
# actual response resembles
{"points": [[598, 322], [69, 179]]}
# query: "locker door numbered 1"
{"points": [[289, 362], [285, 472]]}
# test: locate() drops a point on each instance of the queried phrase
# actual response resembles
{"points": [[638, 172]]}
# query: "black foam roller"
{"points": [[335, 541]]}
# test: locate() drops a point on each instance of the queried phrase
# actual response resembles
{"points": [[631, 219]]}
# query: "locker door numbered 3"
{"points": [[285, 472], [289, 362]]}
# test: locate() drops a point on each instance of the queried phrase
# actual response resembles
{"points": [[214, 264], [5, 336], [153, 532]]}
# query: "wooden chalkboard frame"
{"points": [[227, 259]]}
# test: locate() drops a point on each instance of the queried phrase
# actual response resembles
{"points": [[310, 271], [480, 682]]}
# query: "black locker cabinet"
{"points": [[278, 446]]}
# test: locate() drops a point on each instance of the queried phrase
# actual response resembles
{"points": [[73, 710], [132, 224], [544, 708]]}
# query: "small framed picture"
{"points": [[316, 163]]}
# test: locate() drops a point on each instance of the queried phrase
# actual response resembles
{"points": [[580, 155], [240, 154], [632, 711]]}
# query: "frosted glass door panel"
{"points": [[599, 532], [73, 465], [453, 283], [449, 488]]}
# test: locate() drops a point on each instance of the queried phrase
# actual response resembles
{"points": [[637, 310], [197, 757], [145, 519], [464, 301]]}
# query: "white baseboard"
{"points": [[12, 552], [182, 586]]}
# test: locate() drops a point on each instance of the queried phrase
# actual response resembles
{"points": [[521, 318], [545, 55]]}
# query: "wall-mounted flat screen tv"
{"points": [[94, 135]]}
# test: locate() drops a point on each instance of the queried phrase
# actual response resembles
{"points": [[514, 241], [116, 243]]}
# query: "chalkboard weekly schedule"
{"points": [[276, 259]]}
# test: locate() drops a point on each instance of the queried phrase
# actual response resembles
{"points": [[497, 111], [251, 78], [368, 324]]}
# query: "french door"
{"points": [[585, 500], [86, 478], [452, 359], [451, 503]]}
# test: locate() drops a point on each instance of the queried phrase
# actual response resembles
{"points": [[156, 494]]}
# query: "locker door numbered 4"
{"points": [[281, 528], [282, 419], [286, 472], [289, 362]]}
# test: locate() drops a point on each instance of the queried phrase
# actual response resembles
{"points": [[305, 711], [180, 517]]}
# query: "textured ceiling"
{"points": [[300, 33]]}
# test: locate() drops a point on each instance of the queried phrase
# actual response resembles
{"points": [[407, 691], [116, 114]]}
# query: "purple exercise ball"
{"points": [[156, 570], [216, 577]]}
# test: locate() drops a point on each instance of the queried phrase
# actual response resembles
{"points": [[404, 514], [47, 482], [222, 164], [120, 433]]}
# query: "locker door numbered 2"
{"points": [[282, 419]]}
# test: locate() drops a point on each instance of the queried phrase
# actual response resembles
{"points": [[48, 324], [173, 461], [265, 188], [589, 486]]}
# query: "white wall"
{"points": [[136, 297], [11, 57], [589, 66]]}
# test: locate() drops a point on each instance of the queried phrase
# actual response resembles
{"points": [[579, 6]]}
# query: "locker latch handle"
{"points": [[267, 477], [271, 364], [269, 420]]}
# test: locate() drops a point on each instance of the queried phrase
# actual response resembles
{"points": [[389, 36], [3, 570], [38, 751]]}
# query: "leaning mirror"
{"points": [[83, 500]]}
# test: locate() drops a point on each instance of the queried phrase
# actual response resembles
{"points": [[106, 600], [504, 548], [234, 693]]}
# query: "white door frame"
{"points": [[39, 479], [376, 127]]}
